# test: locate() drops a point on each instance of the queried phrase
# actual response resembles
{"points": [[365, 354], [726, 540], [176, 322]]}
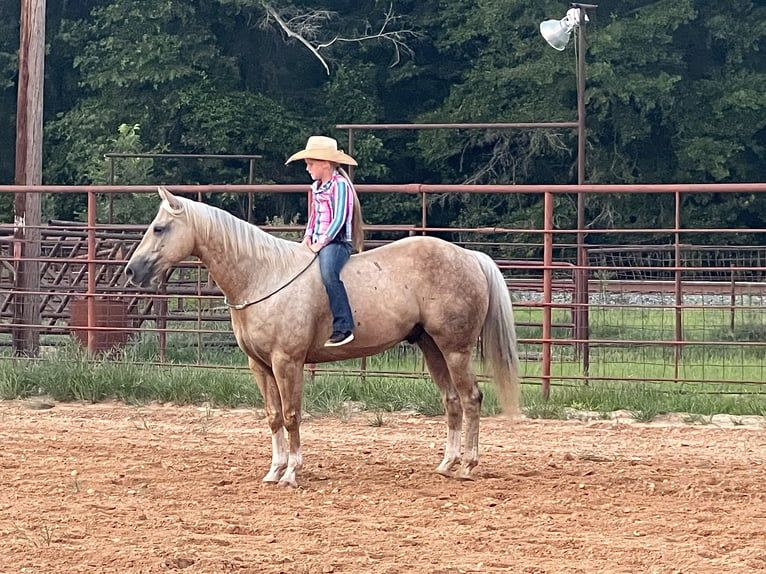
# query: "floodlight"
{"points": [[557, 32]]}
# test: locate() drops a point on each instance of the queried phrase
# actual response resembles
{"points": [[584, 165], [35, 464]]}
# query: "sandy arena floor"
{"points": [[113, 488]]}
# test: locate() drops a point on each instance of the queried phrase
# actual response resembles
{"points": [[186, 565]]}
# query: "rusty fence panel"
{"points": [[671, 311]]}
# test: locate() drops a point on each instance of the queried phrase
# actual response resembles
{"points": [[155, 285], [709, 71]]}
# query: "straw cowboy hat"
{"points": [[323, 148]]}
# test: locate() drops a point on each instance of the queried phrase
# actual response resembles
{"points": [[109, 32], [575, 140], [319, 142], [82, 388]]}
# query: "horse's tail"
{"points": [[498, 337]]}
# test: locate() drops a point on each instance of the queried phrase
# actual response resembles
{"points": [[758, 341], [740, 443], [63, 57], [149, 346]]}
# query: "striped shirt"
{"points": [[331, 209]]}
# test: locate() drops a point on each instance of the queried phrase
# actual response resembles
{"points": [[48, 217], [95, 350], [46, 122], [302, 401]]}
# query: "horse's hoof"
{"points": [[272, 477], [447, 469], [465, 475], [287, 484]]}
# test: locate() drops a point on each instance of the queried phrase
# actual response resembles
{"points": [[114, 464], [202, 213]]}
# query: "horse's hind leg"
{"points": [[464, 380], [270, 392], [454, 412]]}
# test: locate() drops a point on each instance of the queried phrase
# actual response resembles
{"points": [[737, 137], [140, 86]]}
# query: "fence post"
{"points": [[679, 294], [547, 293], [90, 295], [732, 298]]}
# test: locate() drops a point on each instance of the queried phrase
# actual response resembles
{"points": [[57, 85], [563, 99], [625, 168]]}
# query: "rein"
{"points": [[239, 306]]}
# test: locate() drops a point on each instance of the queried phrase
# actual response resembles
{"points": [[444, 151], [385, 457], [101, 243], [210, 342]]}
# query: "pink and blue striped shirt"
{"points": [[331, 209]]}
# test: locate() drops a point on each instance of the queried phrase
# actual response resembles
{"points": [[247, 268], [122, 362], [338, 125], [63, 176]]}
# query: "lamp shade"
{"points": [[556, 33]]}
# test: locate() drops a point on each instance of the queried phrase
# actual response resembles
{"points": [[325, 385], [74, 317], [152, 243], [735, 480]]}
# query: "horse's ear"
{"points": [[172, 200]]}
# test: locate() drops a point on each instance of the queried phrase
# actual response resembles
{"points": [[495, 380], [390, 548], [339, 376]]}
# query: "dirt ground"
{"points": [[114, 488]]}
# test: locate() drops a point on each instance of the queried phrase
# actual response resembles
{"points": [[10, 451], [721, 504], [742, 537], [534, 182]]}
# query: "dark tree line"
{"points": [[676, 92]]}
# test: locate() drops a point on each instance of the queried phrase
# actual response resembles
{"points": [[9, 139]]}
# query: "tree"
{"points": [[308, 27], [675, 92], [9, 45]]}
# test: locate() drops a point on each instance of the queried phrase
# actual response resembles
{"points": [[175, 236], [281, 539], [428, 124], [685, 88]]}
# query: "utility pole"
{"points": [[29, 149]]}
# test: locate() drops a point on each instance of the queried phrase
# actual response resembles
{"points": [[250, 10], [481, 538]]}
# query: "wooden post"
{"points": [[29, 138]]}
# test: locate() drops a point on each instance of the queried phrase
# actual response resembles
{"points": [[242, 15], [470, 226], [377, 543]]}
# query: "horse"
{"points": [[420, 289]]}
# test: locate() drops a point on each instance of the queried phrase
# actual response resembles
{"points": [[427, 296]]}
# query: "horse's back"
{"points": [[420, 282], [415, 266], [418, 255]]}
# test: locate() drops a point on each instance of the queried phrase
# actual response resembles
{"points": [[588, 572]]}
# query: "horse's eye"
{"points": [[158, 229]]}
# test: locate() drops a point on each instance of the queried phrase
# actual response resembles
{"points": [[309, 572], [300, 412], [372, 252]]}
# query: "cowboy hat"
{"points": [[323, 148]]}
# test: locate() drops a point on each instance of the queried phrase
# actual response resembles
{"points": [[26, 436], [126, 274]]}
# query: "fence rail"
{"points": [[677, 312]]}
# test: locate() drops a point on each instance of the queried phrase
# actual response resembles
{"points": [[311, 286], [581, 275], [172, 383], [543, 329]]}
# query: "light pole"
{"points": [[557, 34]]}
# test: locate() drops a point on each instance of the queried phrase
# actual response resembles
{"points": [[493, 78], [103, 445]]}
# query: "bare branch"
{"points": [[396, 37], [308, 27], [306, 31]]}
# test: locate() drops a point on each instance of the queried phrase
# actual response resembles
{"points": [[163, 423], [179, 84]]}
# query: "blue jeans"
{"points": [[332, 258]]}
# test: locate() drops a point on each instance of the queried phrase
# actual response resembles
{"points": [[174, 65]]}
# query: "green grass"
{"points": [[647, 400], [68, 374], [616, 323]]}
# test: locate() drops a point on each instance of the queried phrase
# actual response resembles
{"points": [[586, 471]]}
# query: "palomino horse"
{"points": [[420, 289]]}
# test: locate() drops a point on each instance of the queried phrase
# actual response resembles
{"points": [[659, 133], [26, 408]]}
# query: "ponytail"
{"points": [[357, 224]]}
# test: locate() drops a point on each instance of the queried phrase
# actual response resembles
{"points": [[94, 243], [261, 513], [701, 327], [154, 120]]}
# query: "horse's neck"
{"points": [[245, 261]]}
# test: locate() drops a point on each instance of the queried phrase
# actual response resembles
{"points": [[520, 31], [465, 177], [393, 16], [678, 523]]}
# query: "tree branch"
{"points": [[271, 13], [307, 27], [396, 37]]}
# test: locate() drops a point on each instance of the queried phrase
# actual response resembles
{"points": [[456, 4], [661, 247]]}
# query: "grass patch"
{"points": [[70, 374], [376, 420], [15, 382], [544, 410], [644, 415]]}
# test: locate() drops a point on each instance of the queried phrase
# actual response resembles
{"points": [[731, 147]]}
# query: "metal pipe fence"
{"points": [[675, 312]]}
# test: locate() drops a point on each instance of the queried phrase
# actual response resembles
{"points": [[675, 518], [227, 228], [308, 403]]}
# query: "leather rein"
{"points": [[239, 306]]}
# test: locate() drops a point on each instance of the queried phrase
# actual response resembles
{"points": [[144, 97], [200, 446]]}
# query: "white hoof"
{"points": [[466, 473], [274, 475], [447, 467], [288, 478], [445, 473]]}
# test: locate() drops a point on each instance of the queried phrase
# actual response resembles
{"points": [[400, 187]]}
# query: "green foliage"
{"points": [[15, 381], [213, 120], [675, 92], [9, 43], [131, 207], [670, 97], [179, 87], [644, 402], [95, 168], [79, 380], [128, 171], [644, 415], [146, 43]]}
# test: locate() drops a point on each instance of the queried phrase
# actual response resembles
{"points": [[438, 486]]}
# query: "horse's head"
{"points": [[168, 240]]}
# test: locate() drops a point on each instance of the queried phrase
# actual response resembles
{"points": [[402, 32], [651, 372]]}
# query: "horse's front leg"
{"points": [[267, 384], [289, 376]]}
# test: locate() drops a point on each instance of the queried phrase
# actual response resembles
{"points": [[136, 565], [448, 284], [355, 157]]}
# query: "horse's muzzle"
{"points": [[141, 272]]}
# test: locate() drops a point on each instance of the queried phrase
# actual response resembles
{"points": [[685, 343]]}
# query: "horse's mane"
{"points": [[240, 238]]}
